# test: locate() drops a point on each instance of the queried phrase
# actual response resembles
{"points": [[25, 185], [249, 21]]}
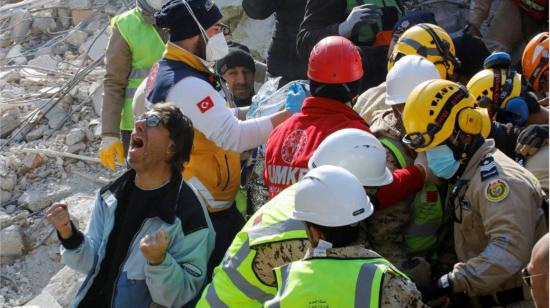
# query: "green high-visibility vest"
{"points": [[331, 282], [235, 284], [367, 33], [426, 212], [147, 48]]}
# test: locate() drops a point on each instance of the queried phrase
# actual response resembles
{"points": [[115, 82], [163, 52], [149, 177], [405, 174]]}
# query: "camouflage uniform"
{"points": [[396, 292], [272, 255], [385, 228]]}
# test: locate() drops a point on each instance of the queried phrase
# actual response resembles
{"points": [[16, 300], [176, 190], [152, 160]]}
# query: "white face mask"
{"points": [[216, 47]]}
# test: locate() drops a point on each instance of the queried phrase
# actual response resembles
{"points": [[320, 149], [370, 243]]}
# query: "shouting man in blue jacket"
{"points": [[149, 237]]}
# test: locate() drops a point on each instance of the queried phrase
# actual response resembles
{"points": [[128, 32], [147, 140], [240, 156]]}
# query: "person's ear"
{"points": [[314, 234], [172, 148]]}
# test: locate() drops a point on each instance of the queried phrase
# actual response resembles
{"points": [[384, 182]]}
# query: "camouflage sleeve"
{"points": [[277, 254], [397, 292]]}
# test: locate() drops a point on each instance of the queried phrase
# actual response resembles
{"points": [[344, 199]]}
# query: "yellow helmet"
{"points": [[430, 42], [434, 109], [494, 87]]}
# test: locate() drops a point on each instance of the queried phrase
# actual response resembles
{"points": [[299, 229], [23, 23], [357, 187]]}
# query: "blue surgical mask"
{"points": [[442, 162]]}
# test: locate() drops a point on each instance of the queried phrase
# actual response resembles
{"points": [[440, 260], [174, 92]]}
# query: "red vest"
{"points": [[292, 143]]}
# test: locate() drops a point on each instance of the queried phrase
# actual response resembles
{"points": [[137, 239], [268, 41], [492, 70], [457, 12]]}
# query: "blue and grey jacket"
{"points": [[175, 281]]}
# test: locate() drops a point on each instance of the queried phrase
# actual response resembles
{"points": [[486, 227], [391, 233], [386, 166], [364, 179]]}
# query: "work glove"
{"points": [[436, 289], [531, 139], [110, 146], [295, 98], [359, 15], [153, 246]]}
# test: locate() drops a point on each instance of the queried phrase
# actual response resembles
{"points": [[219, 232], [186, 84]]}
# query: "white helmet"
{"points": [[405, 75], [356, 151], [331, 196]]}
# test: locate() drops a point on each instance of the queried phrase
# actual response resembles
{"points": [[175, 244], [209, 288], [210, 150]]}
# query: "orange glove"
{"points": [[110, 146]]}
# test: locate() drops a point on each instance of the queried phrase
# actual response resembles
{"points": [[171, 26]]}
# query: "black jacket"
{"points": [[321, 19], [282, 59]]}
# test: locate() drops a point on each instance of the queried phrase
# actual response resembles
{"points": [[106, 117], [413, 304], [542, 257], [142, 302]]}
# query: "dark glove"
{"points": [[531, 139], [359, 15], [437, 288]]}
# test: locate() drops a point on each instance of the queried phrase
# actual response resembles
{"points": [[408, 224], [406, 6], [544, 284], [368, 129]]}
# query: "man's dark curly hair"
{"points": [[181, 132]]}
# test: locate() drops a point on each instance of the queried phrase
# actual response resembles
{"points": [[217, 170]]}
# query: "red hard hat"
{"points": [[335, 59]]}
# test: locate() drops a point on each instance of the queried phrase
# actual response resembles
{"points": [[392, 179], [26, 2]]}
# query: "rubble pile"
{"points": [[51, 69]]}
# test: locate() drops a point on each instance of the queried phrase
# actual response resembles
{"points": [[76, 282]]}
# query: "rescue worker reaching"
{"points": [[271, 238], [411, 227], [134, 46], [338, 271], [334, 71], [496, 202], [182, 76]]}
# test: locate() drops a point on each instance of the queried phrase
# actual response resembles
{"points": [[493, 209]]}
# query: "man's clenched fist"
{"points": [[153, 246], [58, 217]]}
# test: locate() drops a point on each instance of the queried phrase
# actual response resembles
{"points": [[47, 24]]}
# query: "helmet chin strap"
{"points": [[463, 151]]}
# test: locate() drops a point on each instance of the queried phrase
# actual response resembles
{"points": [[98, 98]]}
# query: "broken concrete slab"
{"points": [[44, 299], [34, 200], [5, 39], [43, 23], [15, 55], [8, 182], [36, 133], [45, 61], [79, 16], [74, 136], [80, 4], [5, 196], [96, 92], [76, 37], [32, 161], [64, 285], [9, 121], [20, 22], [96, 47], [11, 241], [10, 75], [76, 147], [55, 116]]}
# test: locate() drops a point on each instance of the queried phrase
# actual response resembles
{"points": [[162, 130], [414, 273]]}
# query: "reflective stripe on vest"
{"points": [[366, 288], [235, 278], [427, 214], [146, 46]]}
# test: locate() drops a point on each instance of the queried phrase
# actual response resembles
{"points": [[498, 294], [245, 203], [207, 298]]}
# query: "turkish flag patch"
{"points": [[205, 104]]}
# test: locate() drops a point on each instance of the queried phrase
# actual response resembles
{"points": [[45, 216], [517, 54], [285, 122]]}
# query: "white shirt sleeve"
{"points": [[207, 110]]}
